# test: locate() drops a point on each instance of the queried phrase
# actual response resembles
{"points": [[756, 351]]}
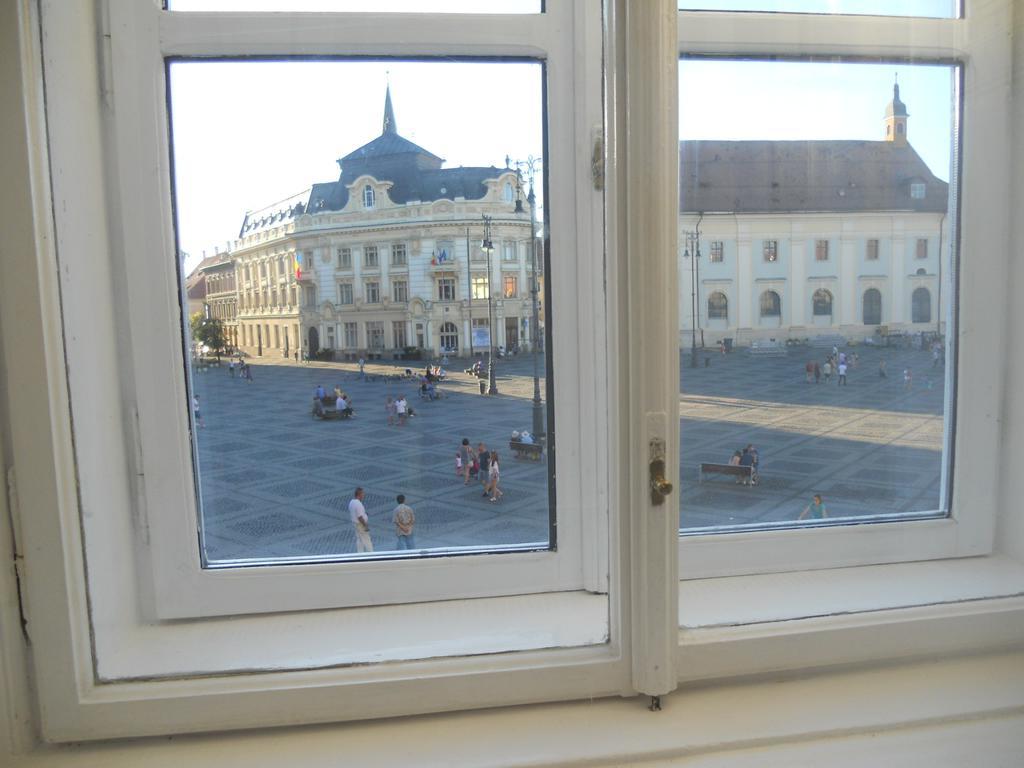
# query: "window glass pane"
{"points": [[295, 405], [813, 354], [379, 6], [942, 9]]}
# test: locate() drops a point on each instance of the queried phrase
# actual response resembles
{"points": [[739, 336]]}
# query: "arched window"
{"points": [[368, 198], [921, 271], [822, 300], [718, 306], [508, 192], [771, 304], [921, 306], [449, 337], [872, 307]]}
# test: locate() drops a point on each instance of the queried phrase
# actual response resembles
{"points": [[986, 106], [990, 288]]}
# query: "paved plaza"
{"points": [[869, 447], [276, 483]]}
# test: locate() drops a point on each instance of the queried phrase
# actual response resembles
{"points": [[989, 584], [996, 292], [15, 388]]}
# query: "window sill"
{"points": [[747, 625]]}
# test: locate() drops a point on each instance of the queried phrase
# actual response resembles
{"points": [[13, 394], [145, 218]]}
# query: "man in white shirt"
{"points": [[842, 374], [361, 523]]}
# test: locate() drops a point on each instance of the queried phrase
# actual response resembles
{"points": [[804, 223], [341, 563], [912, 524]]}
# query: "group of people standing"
{"points": [[402, 516], [837, 363], [244, 369], [398, 410], [482, 463]]}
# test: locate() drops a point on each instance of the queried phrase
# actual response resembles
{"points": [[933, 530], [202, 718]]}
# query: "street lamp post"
{"points": [[530, 165], [488, 247], [692, 253]]}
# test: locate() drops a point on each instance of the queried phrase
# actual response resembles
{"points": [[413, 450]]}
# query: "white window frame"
{"points": [[969, 530], [345, 297], [288, 670]]}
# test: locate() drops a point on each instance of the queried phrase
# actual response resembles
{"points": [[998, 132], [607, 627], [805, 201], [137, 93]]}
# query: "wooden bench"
{"points": [[523, 450], [735, 470]]}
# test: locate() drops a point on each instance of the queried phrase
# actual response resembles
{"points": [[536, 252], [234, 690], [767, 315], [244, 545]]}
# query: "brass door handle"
{"points": [[660, 487]]}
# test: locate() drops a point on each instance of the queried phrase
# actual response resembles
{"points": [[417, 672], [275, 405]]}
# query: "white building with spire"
{"points": [[388, 257], [798, 239]]}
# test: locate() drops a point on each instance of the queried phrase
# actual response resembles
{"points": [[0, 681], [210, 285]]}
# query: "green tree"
{"points": [[208, 331]]}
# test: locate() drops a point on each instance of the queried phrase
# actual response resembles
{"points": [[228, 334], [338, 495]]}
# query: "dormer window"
{"points": [[508, 192], [917, 190], [368, 197]]}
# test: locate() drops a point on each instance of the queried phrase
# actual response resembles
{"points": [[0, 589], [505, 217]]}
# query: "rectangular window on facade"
{"points": [[400, 291], [309, 298], [872, 250], [770, 249], [510, 289], [351, 335], [821, 250], [479, 286], [446, 289], [398, 257], [717, 251], [508, 252], [922, 248], [370, 256], [344, 293], [373, 293], [398, 333], [345, 258], [375, 335]]}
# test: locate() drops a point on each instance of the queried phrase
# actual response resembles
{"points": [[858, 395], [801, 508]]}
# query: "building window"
{"points": [[917, 190], [446, 289], [375, 335], [344, 258], [770, 249], [822, 301], [718, 306], [871, 254], [510, 289], [771, 304], [717, 251], [344, 293], [400, 291], [821, 250], [309, 296], [872, 307], [449, 338], [351, 335], [368, 196], [373, 293], [508, 192], [398, 258], [479, 286], [922, 248], [370, 257], [398, 334], [921, 306], [508, 252]]}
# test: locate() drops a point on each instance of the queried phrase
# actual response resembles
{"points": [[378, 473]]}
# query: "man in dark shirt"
{"points": [[484, 457], [748, 459]]}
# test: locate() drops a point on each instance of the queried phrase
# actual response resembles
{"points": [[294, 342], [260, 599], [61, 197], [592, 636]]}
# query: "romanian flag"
{"points": [[298, 267]]}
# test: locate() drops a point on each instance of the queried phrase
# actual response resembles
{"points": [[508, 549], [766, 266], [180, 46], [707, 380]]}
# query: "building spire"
{"points": [[389, 114], [896, 117]]}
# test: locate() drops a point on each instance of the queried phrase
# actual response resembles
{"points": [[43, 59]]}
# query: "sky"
{"points": [[248, 134]]}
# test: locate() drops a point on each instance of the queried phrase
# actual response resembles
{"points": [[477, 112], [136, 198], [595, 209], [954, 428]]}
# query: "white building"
{"points": [[387, 258], [805, 238]]}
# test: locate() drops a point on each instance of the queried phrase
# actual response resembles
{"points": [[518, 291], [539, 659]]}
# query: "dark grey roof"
{"points": [[386, 145], [896, 107], [798, 176]]}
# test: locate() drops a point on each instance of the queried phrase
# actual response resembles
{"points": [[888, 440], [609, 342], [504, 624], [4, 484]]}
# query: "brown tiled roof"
{"points": [[804, 176]]}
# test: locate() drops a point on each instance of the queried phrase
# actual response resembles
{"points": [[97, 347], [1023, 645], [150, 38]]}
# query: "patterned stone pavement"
{"points": [[869, 447], [275, 482]]}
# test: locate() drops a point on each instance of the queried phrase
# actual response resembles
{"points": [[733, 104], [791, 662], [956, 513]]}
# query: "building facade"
{"points": [[798, 239], [389, 258]]}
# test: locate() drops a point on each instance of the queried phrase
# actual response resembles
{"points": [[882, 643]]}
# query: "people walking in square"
{"points": [[231, 368], [391, 410], [494, 475], [466, 455], [484, 457], [360, 522], [826, 370], [842, 373], [362, 365], [817, 372], [404, 519], [458, 464], [816, 510], [881, 369], [908, 379]]}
